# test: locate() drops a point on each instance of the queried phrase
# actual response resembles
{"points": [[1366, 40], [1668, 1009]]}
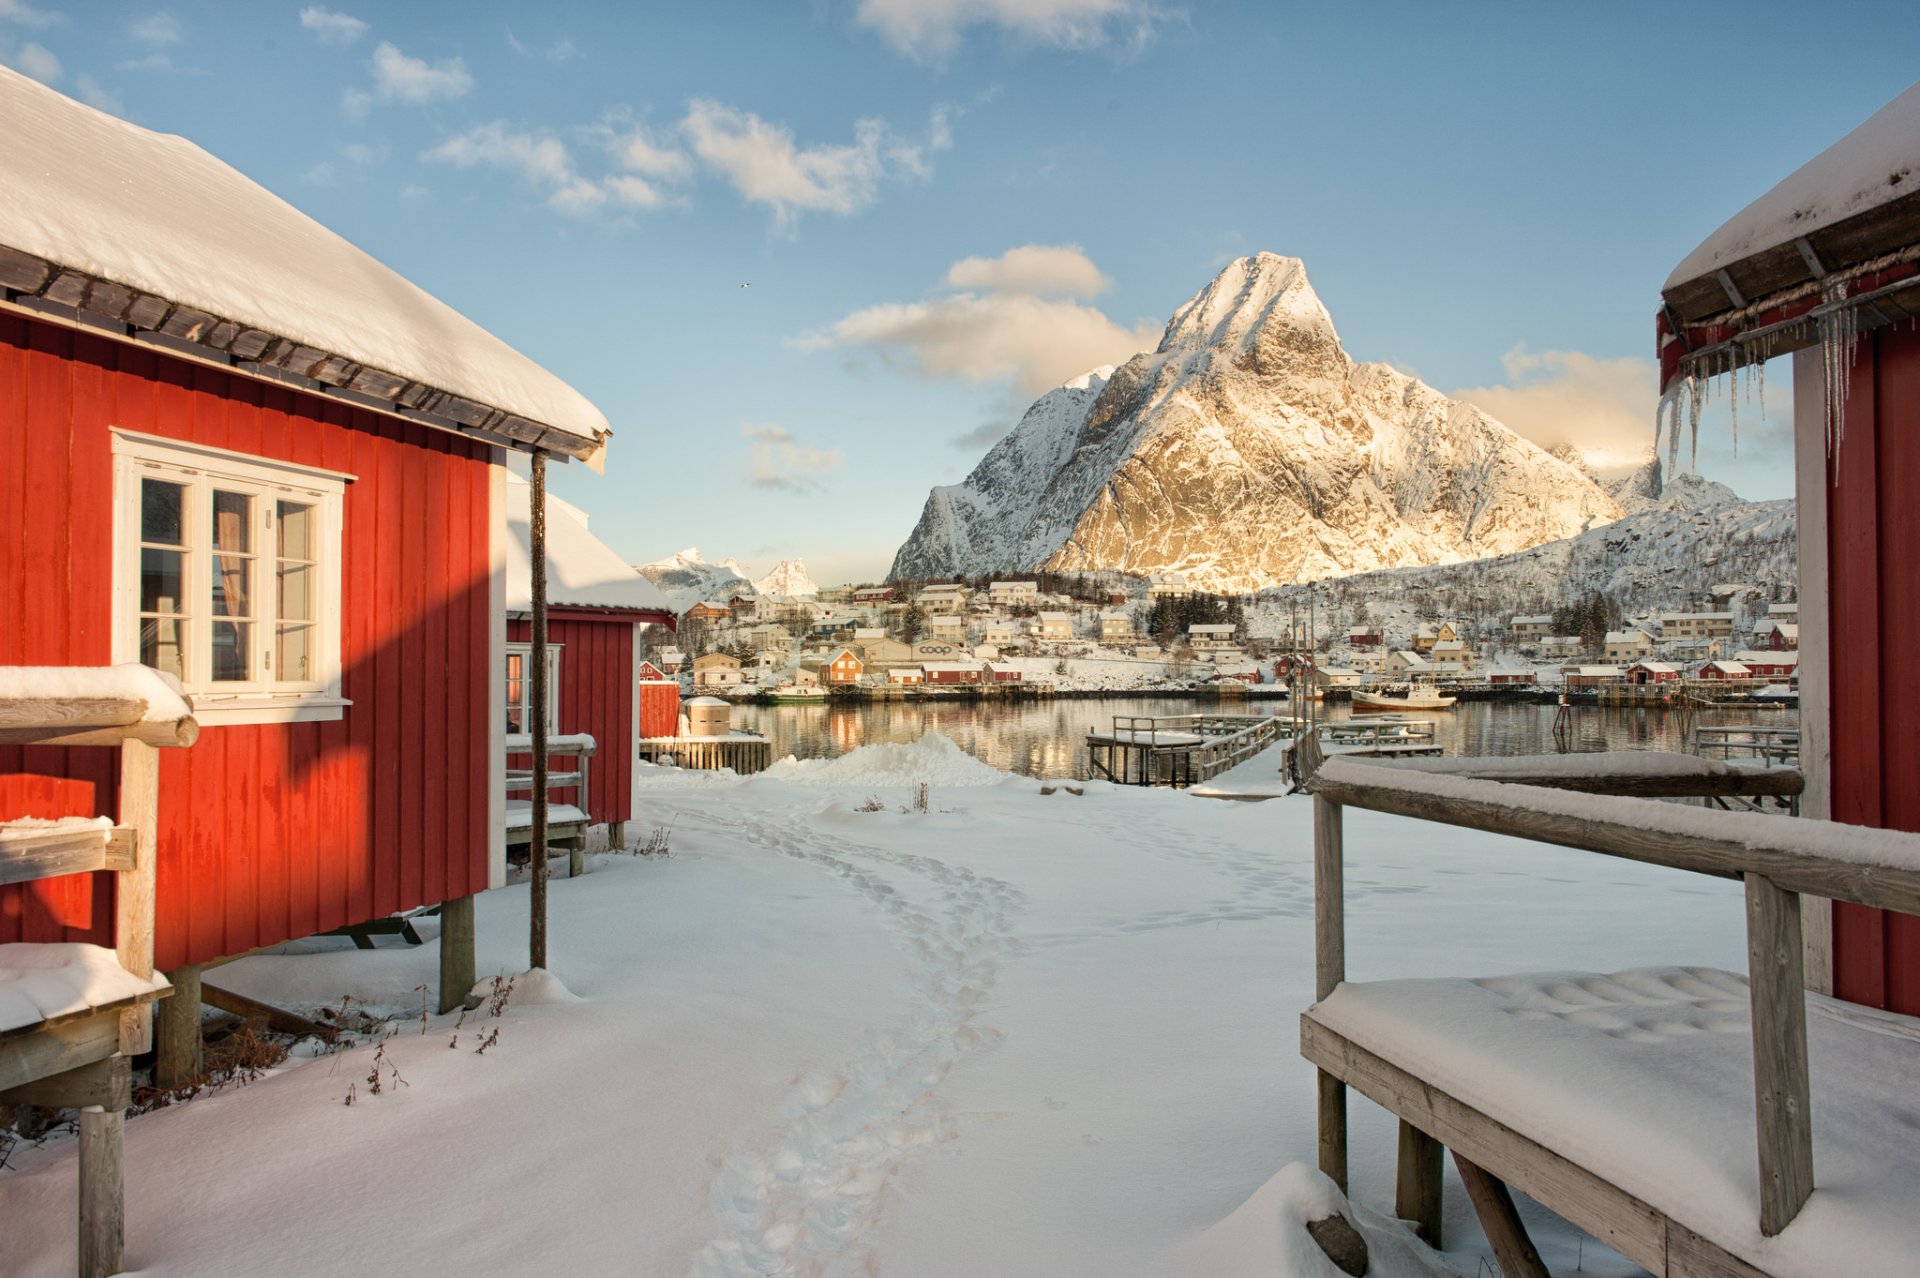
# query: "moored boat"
{"points": [[1396, 698], [795, 694]]}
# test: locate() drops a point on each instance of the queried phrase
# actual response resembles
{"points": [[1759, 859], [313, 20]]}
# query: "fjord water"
{"points": [[1049, 738]]}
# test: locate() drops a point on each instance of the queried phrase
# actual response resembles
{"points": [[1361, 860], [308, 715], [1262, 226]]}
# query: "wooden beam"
{"points": [[252, 1008], [1333, 1129], [1561, 772], [1506, 1232], [179, 1053], [58, 1047], [1781, 1089], [1417, 1183], [1775, 851], [134, 888], [28, 854], [1329, 969], [1635, 1229], [107, 1082]]}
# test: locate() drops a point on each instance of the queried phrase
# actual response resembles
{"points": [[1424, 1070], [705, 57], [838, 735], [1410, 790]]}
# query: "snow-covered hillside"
{"points": [[1249, 450], [687, 578], [789, 577]]}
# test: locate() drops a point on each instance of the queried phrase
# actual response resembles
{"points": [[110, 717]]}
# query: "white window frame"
{"points": [[525, 652], [201, 469]]}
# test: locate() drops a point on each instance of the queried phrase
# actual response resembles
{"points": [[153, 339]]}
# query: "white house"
{"points": [[1012, 592], [1115, 627], [1210, 637], [1626, 645], [1054, 626], [1168, 585], [999, 632], [1406, 661], [947, 625]]}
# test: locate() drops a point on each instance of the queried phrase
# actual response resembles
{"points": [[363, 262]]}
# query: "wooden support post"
{"points": [[1782, 1107], [134, 889], [1416, 1189], [616, 836], [1329, 969], [178, 1056], [1506, 1232], [457, 974], [102, 1190], [537, 705]]}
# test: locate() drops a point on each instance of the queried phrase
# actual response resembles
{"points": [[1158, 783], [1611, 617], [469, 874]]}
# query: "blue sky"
{"points": [[938, 207]]}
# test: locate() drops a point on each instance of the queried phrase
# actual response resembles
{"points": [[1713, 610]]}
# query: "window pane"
{"points": [[163, 645], [297, 583], [232, 586], [161, 507], [162, 581], [232, 521], [296, 531], [232, 651], [293, 660]]}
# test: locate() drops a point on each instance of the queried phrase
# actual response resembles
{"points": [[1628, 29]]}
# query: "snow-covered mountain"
{"points": [[1646, 485], [789, 577], [686, 578], [1665, 557], [1249, 450]]}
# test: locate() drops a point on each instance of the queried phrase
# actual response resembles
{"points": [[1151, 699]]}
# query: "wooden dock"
{"points": [[1177, 750], [743, 752]]}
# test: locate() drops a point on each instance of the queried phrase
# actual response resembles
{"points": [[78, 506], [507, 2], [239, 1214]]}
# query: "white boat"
{"points": [[1398, 697], [797, 694]]}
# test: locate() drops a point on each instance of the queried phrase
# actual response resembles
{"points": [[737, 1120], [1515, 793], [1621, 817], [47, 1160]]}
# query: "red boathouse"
{"points": [[238, 449], [1827, 265]]}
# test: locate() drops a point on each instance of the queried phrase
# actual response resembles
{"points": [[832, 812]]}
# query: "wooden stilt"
{"points": [[102, 1173], [1506, 1232], [616, 836], [1416, 1191], [178, 1056], [1333, 1129], [456, 952], [1329, 969]]}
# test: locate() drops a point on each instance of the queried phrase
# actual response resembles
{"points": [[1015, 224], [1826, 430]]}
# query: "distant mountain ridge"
{"points": [[1248, 450], [687, 578]]}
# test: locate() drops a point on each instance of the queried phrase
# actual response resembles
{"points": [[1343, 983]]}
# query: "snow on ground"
{"points": [[1018, 1033]]}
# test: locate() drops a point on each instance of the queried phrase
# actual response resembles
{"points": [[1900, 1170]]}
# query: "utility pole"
{"points": [[537, 933]]}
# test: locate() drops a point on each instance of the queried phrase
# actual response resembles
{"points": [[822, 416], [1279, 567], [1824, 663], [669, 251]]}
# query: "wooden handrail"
{"points": [[40, 852]]}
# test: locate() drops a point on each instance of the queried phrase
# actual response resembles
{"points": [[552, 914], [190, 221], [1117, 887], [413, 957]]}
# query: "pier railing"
{"points": [[1177, 750]]}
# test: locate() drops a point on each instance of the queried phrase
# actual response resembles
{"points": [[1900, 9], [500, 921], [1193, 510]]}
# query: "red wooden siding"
{"points": [[274, 831], [1873, 554], [659, 707], [596, 696]]}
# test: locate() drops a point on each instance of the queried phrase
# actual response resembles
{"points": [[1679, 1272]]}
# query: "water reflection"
{"points": [[1048, 738]]}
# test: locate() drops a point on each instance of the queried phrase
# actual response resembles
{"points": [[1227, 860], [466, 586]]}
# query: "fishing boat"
{"points": [[796, 694], [1397, 698]]}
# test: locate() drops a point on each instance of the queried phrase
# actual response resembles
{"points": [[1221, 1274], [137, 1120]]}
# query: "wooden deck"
{"points": [[1177, 750], [742, 752], [1778, 858]]}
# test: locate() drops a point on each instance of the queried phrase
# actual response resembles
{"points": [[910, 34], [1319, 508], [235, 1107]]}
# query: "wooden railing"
{"points": [[579, 747], [1135, 752], [81, 1061], [1778, 859]]}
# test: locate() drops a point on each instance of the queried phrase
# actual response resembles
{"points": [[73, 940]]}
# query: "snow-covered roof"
{"points": [[89, 202], [1875, 165], [582, 570]]}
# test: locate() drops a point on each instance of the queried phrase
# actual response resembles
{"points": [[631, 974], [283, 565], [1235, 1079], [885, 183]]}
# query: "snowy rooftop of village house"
{"points": [[582, 570], [154, 213]]}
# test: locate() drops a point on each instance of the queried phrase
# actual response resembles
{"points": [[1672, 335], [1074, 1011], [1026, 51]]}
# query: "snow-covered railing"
{"points": [[1597, 803], [567, 823], [90, 1010]]}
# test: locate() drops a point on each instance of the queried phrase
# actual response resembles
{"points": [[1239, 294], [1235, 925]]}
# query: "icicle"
{"points": [[1733, 403], [1838, 329], [1693, 424]]}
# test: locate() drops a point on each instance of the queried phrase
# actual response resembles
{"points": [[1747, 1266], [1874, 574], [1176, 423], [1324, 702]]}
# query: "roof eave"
{"points": [[37, 284]]}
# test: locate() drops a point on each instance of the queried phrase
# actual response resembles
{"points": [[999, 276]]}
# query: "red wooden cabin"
{"points": [[1827, 265], [596, 606], [234, 447]]}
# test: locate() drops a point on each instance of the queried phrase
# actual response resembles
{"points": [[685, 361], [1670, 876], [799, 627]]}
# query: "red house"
{"points": [[596, 606], [1723, 672], [236, 448], [1827, 265]]}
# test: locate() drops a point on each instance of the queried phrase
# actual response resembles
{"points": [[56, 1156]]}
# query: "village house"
{"points": [[716, 670], [1511, 676], [1592, 676], [1558, 647], [1770, 664], [870, 595], [1450, 655], [1000, 632], [905, 676], [1215, 637], [670, 660], [950, 626], [1695, 625], [868, 634], [883, 652], [1645, 672], [1787, 612], [831, 595], [1053, 627], [1364, 638], [1116, 627], [949, 672], [770, 637], [1626, 645], [242, 452], [1007, 593], [709, 610], [999, 672], [1405, 661], [1425, 637], [1168, 585], [845, 667], [948, 598], [1778, 636], [1525, 630], [1337, 677], [1722, 671]]}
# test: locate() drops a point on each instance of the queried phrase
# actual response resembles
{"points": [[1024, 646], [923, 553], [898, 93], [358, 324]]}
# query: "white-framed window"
{"points": [[520, 688], [227, 576]]}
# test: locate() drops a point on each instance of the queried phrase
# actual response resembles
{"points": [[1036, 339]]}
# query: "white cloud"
{"points": [[399, 78], [1600, 406], [638, 150], [562, 50], [544, 162], [933, 28], [27, 16], [1043, 270], [157, 28], [763, 163], [37, 61], [330, 26], [776, 459]]}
